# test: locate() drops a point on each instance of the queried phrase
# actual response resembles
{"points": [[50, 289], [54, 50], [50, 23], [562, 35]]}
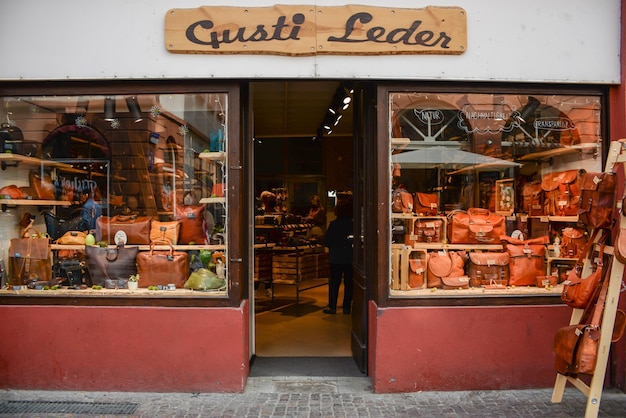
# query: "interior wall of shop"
{"points": [[129, 348]]}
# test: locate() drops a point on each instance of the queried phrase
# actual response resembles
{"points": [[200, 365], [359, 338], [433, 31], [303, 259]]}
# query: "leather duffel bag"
{"points": [[162, 267], [136, 228]]}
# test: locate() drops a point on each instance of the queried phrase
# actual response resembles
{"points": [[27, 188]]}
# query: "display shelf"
{"points": [[145, 247], [213, 156], [557, 152], [9, 160], [213, 200], [452, 247], [34, 202]]}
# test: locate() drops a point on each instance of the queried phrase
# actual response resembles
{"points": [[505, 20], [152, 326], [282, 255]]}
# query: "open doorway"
{"points": [[296, 157]]}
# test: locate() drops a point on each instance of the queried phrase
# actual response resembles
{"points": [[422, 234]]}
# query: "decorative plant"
{"points": [[133, 278]]}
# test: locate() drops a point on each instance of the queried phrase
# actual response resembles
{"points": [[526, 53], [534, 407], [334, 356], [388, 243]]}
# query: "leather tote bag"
{"points": [[476, 226], [29, 259], [110, 263], [527, 259], [191, 224], [136, 228], [488, 268], [162, 267]]}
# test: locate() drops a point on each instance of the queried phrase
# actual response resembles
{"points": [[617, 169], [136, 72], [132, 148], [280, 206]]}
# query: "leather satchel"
{"points": [[42, 185], [597, 199], [532, 198], [29, 259], [162, 267], [110, 263], [73, 238], [562, 192], [426, 204], [417, 270], [136, 228], [428, 230], [401, 201], [476, 226], [526, 259], [488, 268], [446, 270], [578, 291], [574, 242], [165, 231], [191, 224]]}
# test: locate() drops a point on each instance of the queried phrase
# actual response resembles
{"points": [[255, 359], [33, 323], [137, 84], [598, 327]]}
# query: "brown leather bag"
{"points": [[562, 192], [576, 346], [110, 263], [191, 224], [417, 270], [29, 258], [527, 259], [164, 231], [12, 192], [488, 268], [446, 270], [137, 228], [162, 267], [42, 185], [426, 204], [597, 199], [401, 201], [428, 230], [476, 226], [574, 241], [578, 291], [532, 198]]}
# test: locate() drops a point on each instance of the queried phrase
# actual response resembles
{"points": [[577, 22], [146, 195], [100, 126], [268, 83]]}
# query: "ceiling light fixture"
{"points": [[134, 109], [109, 108]]}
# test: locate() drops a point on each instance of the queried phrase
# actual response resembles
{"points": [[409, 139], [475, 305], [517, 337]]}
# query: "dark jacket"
{"points": [[338, 242]]}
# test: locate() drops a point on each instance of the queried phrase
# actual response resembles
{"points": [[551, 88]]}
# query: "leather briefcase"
{"points": [[136, 228], [488, 268], [162, 267], [476, 226]]}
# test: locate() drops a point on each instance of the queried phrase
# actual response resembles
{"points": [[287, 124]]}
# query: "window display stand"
{"points": [[593, 390]]}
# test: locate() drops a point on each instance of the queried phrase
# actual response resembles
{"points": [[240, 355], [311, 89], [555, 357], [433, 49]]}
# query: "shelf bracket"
{"points": [[5, 164]]}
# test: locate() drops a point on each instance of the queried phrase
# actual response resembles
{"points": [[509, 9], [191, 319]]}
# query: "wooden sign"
{"points": [[312, 30]]}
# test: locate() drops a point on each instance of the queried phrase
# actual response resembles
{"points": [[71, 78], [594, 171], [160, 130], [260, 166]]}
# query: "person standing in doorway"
{"points": [[339, 242]]}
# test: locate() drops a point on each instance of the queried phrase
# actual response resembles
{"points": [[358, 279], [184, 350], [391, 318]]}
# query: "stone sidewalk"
{"points": [[306, 397]]}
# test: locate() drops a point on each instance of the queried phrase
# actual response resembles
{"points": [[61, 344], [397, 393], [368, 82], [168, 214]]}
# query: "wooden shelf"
{"points": [[8, 159], [181, 247], [34, 202], [213, 156], [213, 200], [557, 152]]}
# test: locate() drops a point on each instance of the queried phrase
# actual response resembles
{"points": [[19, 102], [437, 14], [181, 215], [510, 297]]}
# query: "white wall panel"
{"points": [[533, 40]]}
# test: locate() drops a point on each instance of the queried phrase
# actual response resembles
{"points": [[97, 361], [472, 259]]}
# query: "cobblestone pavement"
{"points": [[324, 397]]}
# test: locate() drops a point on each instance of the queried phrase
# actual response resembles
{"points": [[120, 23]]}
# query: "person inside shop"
{"points": [[317, 218], [268, 202], [338, 239]]}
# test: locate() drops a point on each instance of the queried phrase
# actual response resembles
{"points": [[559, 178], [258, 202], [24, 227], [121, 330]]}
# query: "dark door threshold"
{"points": [[304, 366]]}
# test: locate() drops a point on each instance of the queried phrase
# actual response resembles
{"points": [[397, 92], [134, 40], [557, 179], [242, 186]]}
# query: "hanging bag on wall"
{"points": [[527, 259], [597, 199]]}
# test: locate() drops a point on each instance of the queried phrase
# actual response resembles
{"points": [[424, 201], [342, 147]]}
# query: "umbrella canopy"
{"points": [[451, 158]]}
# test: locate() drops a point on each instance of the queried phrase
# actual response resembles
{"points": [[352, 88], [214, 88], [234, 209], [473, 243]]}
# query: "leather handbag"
{"points": [[446, 270], [29, 258], [42, 185], [165, 231], [574, 241], [401, 201], [426, 204], [57, 226], [578, 291], [417, 270], [562, 192], [191, 224], [73, 238], [488, 268], [12, 192], [110, 263], [428, 230], [475, 226], [527, 259], [532, 198], [597, 199], [162, 267], [136, 228], [576, 346]]}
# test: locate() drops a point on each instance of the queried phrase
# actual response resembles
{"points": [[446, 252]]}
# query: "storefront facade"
{"points": [[468, 87]]}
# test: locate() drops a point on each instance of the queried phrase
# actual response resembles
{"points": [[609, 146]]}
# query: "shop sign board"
{"points": [[300, 30]]}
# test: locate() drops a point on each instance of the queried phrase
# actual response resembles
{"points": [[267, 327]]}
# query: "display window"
{"points": [[485, 191], [119, 195]]}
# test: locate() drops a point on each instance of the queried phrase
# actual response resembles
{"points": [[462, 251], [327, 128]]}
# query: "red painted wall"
{"points": [[463, 348], [124, 348]]}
